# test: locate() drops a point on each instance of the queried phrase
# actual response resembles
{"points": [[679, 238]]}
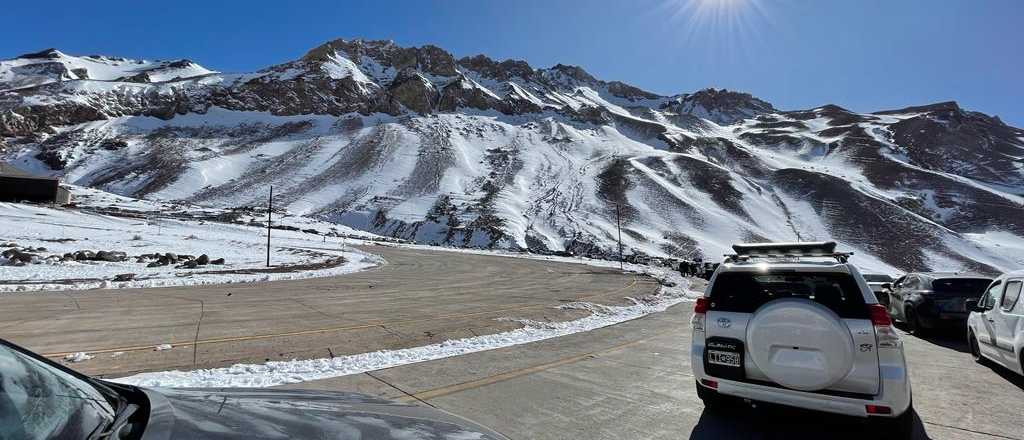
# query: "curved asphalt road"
{"points": [[419, 297]]}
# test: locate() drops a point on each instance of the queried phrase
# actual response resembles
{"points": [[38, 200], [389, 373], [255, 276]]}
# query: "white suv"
{"points": [[795, 324], [995, 327]]}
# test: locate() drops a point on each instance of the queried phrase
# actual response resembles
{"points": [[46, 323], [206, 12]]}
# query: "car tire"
{"points": [[914, 326], [900, 427], [972, 341], [712, 400], [1021, 364]]}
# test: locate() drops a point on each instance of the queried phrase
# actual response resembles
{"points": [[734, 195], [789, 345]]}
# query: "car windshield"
{"points": [[38, 401], [961, 285], [877, 278], [745, 292]]}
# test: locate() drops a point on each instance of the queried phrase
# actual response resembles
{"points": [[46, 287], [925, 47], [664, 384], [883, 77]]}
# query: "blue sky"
{"points": [[864, 55]]}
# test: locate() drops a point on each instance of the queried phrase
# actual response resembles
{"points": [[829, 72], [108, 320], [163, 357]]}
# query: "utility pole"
{"points": [[618, 226], [270, 209]]}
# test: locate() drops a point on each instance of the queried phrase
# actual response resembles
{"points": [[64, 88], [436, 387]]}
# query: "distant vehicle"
{"points": [[926, 301], [709, 270], [995, 327], [671, 263], [804, 331], [40, 399], [877, 282]]}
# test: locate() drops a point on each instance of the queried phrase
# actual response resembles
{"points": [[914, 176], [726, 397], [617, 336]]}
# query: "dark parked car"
{"points": [[40, 399], [930, 300]]}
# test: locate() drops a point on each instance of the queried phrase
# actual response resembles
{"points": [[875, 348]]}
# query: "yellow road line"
{"points": [[188, 343]]}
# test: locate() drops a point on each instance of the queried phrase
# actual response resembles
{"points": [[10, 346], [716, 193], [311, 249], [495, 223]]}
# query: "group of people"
{"points": [[697, 268]]}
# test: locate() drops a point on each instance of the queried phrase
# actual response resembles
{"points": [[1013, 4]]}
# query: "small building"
{"points": [[18, 186]]}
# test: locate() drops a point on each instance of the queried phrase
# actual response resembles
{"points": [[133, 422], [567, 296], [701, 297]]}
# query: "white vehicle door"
{"points": [[1006, 320], [986, 325]]}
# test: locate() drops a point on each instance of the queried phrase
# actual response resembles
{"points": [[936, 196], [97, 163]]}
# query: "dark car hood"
{"points": [[257, 414]]}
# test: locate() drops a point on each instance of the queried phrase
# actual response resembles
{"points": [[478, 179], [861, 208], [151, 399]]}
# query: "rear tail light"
{"points": [[701, 306], [879, 316], [884, 333], [712, 384], [878, 409], [699, 310]]}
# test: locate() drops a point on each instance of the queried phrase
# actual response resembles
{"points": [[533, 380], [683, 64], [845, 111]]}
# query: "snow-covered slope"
{"points": [[52, 65], [411, 142], [49, 248]]}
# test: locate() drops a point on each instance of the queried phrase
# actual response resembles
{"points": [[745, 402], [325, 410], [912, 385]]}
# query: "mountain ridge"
{"points": [[412, 142]]}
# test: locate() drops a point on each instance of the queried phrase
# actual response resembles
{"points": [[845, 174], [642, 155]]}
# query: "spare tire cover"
{"points": [[800, 344]]}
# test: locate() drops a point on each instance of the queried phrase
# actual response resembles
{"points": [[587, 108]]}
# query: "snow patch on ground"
{"points": [[150, 229], [78, 357]]}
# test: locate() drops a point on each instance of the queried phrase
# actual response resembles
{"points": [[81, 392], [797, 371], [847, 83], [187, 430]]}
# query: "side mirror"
{"points": [[887, 285], [972, 306]]}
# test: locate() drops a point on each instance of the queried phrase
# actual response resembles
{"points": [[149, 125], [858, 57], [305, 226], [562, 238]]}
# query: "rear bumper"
{"points": [[894, 384], [931, 317]]}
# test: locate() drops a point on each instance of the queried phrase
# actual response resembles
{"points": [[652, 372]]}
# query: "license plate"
{"points": [[956, 305], [724, 358]]}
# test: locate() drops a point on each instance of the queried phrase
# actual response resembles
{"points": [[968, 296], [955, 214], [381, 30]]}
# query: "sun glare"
{"points": [[732, 26]]}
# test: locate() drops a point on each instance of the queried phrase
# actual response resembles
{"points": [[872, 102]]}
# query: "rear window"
{"points": [[744, 292], [974, 286], [876, 278]]}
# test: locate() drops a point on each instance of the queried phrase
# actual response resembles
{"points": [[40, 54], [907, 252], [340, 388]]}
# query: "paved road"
{"points": [[633, 380], [418, 298]]}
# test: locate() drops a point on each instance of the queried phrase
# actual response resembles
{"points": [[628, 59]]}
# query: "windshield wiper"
{"points": [[124, 412]]}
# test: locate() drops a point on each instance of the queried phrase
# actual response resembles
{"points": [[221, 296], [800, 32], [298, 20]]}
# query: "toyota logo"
{"points": [[724, 322]]}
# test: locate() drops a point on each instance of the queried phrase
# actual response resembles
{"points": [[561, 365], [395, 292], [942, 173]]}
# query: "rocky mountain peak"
{"points": [[50, 53], [574, 72], [945, 106], [724, 98], [502, 71], [353, 49], [952, 111], [627, 91], [721, 105], [428, 58], [184, 62]]}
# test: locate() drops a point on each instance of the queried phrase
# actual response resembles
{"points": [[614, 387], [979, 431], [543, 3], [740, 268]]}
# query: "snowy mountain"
{"points": [[414, 143]]}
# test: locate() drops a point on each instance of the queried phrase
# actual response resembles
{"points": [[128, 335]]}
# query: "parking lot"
{"points": [[630, 380]]}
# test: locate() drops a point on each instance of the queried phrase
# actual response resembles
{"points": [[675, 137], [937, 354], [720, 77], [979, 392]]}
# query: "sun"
{"points": [[726, 24], [713, 12]]}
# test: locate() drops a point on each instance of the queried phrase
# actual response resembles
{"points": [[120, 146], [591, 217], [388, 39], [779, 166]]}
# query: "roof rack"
{"points": [[746, 251]]}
